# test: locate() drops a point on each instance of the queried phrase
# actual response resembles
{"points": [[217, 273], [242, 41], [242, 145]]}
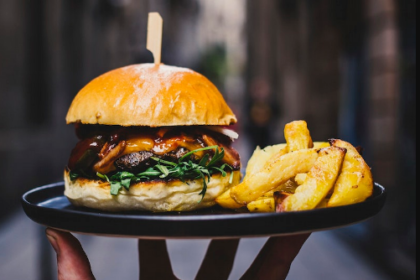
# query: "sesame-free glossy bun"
{"points": [[150, 95], [156, 196]]}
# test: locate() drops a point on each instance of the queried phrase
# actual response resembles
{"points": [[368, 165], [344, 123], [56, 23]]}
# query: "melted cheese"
{"points": [[192, 147], [173, 144], [166, 146], [138, 144]]}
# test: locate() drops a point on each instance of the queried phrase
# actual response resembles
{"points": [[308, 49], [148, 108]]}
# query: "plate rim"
{"points": [[194, 225], [168, 216]]}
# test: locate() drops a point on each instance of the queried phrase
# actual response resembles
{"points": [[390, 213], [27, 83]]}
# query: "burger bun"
{"points": [[155, 196]]}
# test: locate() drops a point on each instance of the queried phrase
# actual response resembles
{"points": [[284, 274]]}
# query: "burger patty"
{"points": [[103, 151], [134, 162], [140, 161]]}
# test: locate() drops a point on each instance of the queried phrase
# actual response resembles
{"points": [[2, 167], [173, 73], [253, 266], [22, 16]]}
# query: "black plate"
{"points": [[48, 206]]}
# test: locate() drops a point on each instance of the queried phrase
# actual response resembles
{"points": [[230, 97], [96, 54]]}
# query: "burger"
{"points": [[151, 137]]}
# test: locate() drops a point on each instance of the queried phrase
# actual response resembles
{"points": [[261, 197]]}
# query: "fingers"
{"points": [[219, 259], [72, 261], [154, 260], [276, 257]]}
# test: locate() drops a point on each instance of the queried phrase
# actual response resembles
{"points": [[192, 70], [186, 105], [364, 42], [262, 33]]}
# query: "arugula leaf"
{"points": [[115, 187], [102, 176], [184, 170], [74, 175], [126, 183], [164, 161], [196, 151], [203, 192], [204, 160], [221, 171], [164, 170]]}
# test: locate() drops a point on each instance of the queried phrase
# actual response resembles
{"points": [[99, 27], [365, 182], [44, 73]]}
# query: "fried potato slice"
{"points": [[288, 187], [226, 201], [261, 156], [279, 197], [300, 178], [323, 204], [262, 205], [298, 136], [320, 180], [355, 183], [276, 171], [321, 145]]}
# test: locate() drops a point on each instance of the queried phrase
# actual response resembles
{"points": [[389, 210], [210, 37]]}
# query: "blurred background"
{"points": [[348, 67]]}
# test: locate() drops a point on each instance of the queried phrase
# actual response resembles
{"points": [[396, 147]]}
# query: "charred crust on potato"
{"points": [[342, 149], [332, 141], [360, 150]]}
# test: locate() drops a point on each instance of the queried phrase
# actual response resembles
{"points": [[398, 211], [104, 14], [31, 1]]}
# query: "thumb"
{"points": [[72, 261]]}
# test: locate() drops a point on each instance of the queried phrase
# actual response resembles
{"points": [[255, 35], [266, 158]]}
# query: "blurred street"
{"points": [[347, 67], [323, 257]]}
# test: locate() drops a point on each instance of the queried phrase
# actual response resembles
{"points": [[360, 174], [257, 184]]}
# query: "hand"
{"points": [[273, 262]]}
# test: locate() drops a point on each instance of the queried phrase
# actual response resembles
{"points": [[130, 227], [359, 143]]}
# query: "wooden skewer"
{"points": [[154, 36]]}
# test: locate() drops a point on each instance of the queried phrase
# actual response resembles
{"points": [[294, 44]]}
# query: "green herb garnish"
{"points": [[74, 175], [78, 173], [184, 170]]}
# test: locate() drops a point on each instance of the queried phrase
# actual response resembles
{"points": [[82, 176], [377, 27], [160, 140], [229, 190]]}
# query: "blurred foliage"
{"points": [[213, 65]]}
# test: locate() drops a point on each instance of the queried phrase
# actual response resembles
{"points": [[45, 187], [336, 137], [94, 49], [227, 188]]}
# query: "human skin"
{"points": [[273, 261]]}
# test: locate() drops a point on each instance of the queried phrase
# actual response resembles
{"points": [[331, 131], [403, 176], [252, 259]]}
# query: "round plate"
{"points": [[48, 206]]}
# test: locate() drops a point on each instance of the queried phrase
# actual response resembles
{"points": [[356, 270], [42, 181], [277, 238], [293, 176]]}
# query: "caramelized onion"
{"points": [[231, 156], [85, 152], [106, 165]]}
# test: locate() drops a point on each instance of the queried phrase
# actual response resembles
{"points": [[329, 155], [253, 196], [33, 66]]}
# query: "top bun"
{"points": [[150, 95]]}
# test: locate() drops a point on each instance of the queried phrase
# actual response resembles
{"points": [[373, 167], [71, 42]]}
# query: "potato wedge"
{"points": [[288, 187], [262, 205], [298, 136], [355, 183], [321, 145], [320, 180], [275, 172], [226, 201], [279, 197], [261, 156], [300, 178], [323, 204]]}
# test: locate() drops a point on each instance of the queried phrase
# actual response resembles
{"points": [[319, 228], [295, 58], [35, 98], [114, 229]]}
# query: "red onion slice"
{"points": [[225, 131]]}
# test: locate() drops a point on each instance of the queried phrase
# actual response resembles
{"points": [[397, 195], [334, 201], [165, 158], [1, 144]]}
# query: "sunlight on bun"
{"points": [[149, 95]]}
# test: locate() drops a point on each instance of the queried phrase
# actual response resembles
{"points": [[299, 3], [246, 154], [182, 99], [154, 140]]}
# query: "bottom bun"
{"points": [[156, 196]]}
